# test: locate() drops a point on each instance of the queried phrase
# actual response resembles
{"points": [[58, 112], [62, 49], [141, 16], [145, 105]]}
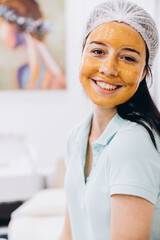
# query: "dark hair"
{"points": [[140, 108], [25, 8]]}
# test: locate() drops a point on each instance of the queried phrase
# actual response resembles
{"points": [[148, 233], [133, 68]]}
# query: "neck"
{"points": [[101, 117]]}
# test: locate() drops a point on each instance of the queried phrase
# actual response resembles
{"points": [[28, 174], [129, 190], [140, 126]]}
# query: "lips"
{"points": [[102, 84]]}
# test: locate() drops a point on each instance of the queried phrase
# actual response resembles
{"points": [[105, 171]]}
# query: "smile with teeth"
{"points": [[107, 86]]}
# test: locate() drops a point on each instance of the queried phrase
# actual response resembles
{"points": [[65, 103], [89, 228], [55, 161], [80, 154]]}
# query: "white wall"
{"points": [[47, 117]]}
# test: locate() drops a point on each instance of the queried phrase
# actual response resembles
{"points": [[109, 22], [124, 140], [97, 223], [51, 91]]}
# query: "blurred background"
{"points": [[34, 126]]}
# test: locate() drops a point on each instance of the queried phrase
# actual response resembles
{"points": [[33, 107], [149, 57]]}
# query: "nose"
{"points": [[109, 67]]}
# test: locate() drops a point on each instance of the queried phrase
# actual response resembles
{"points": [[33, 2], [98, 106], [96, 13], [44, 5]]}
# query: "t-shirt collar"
{"points": [[109, 132]]}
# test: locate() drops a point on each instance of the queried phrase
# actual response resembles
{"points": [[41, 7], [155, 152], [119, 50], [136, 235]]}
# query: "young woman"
{"points": [[23, 25], [112, 180]]}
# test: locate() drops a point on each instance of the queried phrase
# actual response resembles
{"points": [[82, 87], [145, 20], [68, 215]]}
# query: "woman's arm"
{"points": [[34, 65], [54, 77], [66, 232], [131, 218]]}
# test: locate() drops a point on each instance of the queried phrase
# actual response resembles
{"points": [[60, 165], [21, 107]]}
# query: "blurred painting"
{"points": [[32, 45]]}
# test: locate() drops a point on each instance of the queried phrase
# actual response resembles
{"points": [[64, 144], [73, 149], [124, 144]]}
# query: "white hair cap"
{"points": [[130, 13]]}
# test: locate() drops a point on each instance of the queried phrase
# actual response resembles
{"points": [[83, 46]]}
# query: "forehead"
{"points": [[117, 35]]}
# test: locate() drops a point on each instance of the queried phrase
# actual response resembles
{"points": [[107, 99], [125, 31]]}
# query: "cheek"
{"points": [[3, 33], [89, 66], [131, 77], [87, 69], [8, 36]]}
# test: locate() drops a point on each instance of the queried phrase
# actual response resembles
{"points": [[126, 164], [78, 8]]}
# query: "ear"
{"points": [[144, 73]]}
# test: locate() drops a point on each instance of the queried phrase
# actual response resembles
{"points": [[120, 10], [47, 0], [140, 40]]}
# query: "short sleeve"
{"points": [[134, 165]]}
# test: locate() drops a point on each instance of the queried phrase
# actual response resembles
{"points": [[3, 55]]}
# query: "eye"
{"points": [[128, 59], [98, 52]]}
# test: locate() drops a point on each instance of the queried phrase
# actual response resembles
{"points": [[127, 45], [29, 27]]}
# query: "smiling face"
{"points": [[113, 64]]}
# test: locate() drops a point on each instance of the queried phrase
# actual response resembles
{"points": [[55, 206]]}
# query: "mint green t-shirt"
{"points": [[125, 161]]}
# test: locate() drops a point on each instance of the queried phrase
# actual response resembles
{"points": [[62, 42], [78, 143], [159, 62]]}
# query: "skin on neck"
{"points": [[101, 117]]}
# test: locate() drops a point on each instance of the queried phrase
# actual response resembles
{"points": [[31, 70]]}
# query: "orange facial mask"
{"points": [[113, 64]]}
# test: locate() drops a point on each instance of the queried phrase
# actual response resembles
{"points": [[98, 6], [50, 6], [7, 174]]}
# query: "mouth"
{"points": [[104, 86]]}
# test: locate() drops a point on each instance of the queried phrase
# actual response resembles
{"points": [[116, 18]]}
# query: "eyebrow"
{"points": [[100, 43], [125, 48], [131, 50]]}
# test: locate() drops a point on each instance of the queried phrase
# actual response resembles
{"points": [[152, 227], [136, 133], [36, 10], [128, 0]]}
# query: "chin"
{"points": [[103, 104], [13, 44], [10, 45]]}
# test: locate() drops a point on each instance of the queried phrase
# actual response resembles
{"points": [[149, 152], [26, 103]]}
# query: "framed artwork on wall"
{"points": [[32, 45]]}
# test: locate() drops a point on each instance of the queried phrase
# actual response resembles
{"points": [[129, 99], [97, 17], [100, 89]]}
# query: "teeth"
{"points": [[106, 85]]}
